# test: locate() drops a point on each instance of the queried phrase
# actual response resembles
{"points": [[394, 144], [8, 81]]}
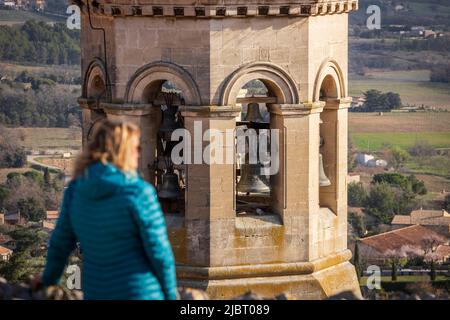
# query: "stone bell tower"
{"points": [[212, 52]]}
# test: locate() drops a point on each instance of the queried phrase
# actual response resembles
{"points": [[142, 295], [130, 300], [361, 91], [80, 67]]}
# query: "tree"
{"points": [[422, 149], [429, 246], [398, 157], [417, 186], [357, 262], [357, 194], [4, 194], [23, 261], [393, 100], [397, 258], [393, 179], [47, 178], [381, 202], [447, 202], [357, 223], [11, 154], [32, 209]]}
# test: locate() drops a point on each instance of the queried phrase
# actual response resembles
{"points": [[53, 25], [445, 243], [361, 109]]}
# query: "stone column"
{"points": [[295, 187], [148, 118], [335, 152], [91, 113], [210, 193]]}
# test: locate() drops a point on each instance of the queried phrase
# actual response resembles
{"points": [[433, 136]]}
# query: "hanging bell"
{"points": [[170, 188], [253, 113], [323, 179], [169, 123], [251, 180]]}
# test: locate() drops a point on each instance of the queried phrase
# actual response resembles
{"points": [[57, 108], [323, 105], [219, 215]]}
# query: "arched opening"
{"points": [[253, 148], [145, 84], [96, 91], [328, 145], [97, 88], [169, 179]]}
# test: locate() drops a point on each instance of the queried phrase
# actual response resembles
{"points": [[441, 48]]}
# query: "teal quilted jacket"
{"points": [[119, 225]]}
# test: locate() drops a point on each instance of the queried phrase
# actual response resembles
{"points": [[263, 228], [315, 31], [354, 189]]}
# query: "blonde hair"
{"points": [[110, 144]]}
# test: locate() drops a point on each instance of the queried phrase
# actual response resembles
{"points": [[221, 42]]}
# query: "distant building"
{"points": [[8, 4], [435, 218], [363, 158], [52, 215], [48, 226], [376, 163], [429, 34], [38, 5], [5, 253], [374, 249], [13, 218]]}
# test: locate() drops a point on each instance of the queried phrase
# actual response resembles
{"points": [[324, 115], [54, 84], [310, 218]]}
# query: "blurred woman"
{"points": [[117, 220]]}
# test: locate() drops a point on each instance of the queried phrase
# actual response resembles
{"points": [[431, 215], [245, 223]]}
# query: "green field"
{"points": [[414, 87], [373, 142], [414, 278]]}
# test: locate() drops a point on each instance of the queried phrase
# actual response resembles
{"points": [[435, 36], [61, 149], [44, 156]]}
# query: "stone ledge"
{"points": [[331, 281], [262, 270]]}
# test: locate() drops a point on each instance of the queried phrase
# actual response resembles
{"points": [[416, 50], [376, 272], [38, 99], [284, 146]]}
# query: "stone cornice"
{"points": [[180, 9], [343, 103], [210, 111], [295, 110], [128, 109]]}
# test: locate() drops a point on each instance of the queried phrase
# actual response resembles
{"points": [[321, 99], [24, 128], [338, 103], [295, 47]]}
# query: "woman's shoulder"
{"points": [[137, 187]]}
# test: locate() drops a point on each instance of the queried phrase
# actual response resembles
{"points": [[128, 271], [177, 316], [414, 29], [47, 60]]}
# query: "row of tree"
{"points": [[376, 100], [45, 106], [38, 42]]}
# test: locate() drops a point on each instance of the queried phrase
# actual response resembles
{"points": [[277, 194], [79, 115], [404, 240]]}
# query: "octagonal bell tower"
{"points": [[287, 59]]}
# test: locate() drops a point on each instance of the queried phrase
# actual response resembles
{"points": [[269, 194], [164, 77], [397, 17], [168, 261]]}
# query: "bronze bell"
{"points": [[323, 179], [170, 188], [253, 113], [251, 180]]}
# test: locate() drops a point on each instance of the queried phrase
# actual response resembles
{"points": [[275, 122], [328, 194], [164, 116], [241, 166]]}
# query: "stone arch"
{"points": [[277, 81], [329, 80], [95, 84], [150, 77]]}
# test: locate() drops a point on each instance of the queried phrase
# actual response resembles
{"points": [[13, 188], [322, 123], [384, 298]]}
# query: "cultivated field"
{"points": [[414, 87], [371, 132], [399, 122], [48, 138]]}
